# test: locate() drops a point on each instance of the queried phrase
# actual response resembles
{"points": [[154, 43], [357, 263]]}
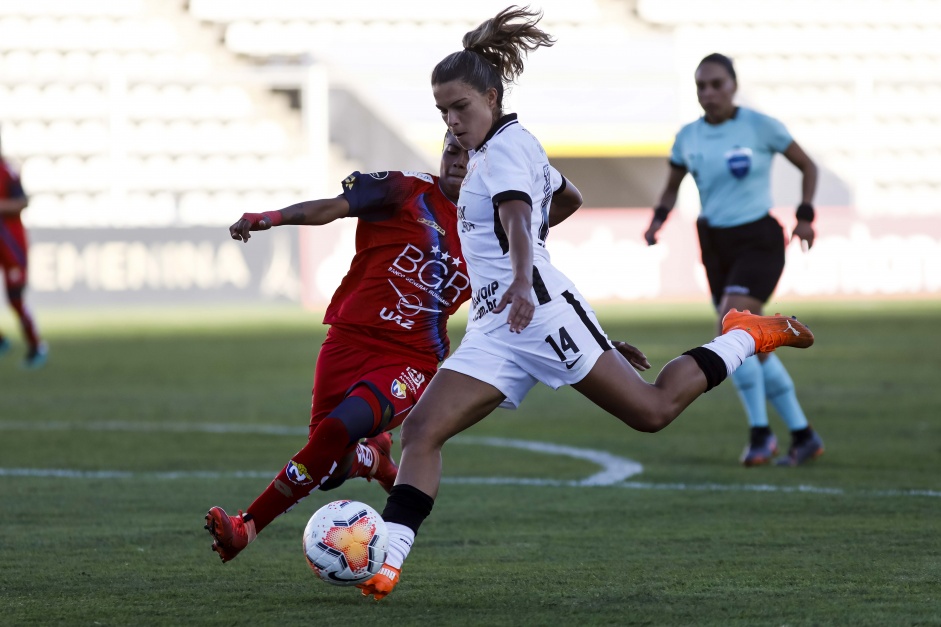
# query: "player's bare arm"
{"points": [[311, 212], [564, 203], [516, 217], [667, 201], [13, 205], [796, 155]]}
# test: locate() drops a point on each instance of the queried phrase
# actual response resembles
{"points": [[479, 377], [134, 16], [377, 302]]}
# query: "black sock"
{"points": [[711, 364], [759, 435], [407, 505], [800, 436]]}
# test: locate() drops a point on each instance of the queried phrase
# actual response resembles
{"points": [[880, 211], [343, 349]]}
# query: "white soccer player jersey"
{"points": [[510, 165]]}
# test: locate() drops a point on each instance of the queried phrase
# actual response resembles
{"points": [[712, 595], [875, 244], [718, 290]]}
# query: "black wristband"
{"points": [[660, 214], [805, 211]]}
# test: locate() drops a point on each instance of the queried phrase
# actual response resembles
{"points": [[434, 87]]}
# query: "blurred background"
{"points": [[143, 128]]}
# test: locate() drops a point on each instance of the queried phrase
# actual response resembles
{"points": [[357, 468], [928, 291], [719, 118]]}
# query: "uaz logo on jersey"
{"points": [[397, 389], [739, 161]]}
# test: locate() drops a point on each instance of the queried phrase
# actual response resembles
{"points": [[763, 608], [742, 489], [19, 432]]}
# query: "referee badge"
{"points": [[739, 161]]}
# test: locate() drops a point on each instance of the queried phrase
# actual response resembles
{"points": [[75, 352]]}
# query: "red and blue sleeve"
{"points": [[10, 186], [375, 196]]}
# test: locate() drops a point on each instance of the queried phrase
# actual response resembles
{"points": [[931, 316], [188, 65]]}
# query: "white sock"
{"points": [[733, 347], [401, 539]]}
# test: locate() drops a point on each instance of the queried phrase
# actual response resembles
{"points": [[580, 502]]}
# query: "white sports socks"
{"points": [[401, 539], [733, 347]]}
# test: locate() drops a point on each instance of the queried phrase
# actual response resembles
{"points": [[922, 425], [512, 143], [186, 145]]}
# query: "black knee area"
{"points": [[407, 506], [15, 292], [711, 365], [356, 415], [386, 409]]}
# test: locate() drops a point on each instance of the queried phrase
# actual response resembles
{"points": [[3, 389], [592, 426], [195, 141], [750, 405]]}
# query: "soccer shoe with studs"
{"points": [[808, 450], [384, 470], [382, 583], [760, 450], [769, 332], [231, 534], [36, 357]]}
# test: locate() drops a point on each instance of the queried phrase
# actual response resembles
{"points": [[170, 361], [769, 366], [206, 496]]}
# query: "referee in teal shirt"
{"points": [[729, 151]]}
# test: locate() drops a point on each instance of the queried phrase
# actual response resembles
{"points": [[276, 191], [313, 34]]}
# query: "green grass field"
{"points": [[157, 416]]}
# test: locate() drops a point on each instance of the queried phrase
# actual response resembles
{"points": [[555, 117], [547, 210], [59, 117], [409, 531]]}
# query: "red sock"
{"points": [[26, 321], [306, 471], [362, 462], [330, 441]]}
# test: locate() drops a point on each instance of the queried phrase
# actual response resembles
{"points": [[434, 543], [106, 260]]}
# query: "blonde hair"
{"points": [[494, 51]]}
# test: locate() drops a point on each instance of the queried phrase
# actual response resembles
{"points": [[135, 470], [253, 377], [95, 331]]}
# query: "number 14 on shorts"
{"points": [[563, 344]]}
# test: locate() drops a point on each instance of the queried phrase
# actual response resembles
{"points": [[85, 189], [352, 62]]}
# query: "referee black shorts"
{"points": [[747, 259]]}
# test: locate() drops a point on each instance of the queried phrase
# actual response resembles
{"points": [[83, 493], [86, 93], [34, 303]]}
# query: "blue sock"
{"points": [[780, 391], [751, 390]]}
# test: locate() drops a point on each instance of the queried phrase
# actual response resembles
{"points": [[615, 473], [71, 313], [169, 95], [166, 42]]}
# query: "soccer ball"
{"points": [[345, 542]]}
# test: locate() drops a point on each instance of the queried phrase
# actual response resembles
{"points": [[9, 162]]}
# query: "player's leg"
{"points": [[453, 402], [341, 414], [722, 255], [5, 344], [615, 387], [36, 350], [307, 470], [756, 261], [13, 261], [806, 444], [749, 382], [372, 458]]}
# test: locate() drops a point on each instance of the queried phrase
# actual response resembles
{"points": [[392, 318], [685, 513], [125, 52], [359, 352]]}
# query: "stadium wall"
{"points": [[602, 250], [160, 266]]}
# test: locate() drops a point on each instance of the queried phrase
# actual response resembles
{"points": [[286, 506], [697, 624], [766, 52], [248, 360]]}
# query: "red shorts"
{"points": [[343, 364], [13, 252]]}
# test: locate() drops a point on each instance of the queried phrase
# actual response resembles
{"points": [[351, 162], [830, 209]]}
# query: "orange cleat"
{"points": [[769, 332], [384, 470], [382, 583], [231, 534]]}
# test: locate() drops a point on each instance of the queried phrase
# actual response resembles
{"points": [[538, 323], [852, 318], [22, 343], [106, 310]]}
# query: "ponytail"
{"points": [[494, 52]]}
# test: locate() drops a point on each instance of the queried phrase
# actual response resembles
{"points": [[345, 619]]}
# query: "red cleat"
{"points": [[384, 469], [231, 534], [382, 583]]}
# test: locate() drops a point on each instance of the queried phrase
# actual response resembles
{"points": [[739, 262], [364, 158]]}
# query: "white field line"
{"points": [[614, 471]]}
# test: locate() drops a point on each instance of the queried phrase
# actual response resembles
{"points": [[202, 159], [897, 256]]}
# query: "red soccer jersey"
{"points": [[10, 188], [408, 273]]}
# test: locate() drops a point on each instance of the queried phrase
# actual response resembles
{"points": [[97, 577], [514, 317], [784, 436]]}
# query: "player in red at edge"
{"points": [[388, 329], [13, 262]]}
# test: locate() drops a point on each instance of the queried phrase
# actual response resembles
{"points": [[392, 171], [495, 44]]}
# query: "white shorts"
{"points": [[559, 347]]}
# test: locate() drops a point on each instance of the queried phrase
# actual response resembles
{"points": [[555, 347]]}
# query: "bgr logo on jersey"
{"points": [[739, 161], [434, 273]]}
